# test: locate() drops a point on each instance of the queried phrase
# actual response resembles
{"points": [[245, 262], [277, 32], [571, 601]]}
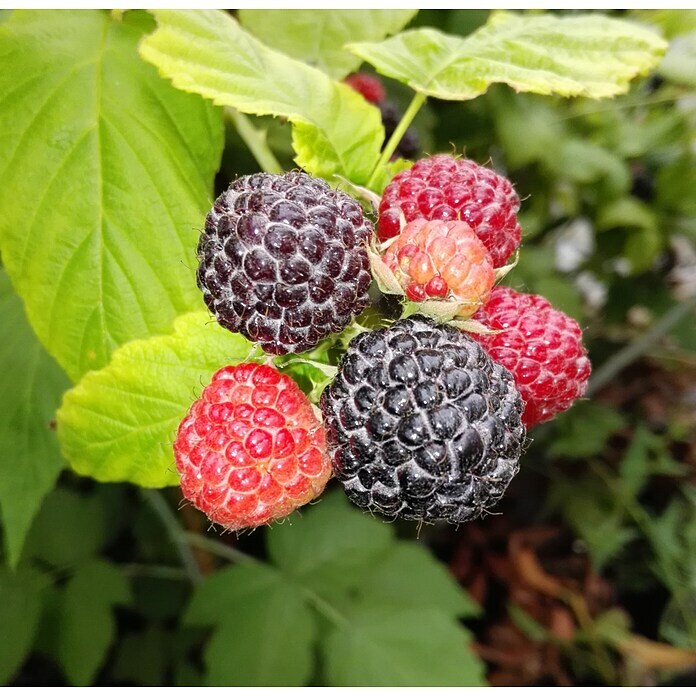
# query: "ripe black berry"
{"points": [[422, 424], [283, 260]]}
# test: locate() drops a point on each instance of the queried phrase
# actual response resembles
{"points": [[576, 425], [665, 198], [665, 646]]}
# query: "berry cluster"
{"points": [[423, 420]]}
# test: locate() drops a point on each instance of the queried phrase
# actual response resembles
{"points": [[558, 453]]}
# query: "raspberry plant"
{"points": [[114, 127]]}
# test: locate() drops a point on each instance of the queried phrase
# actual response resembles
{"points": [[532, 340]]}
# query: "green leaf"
{"points": [[401, 647], [528, 624], [583, 431], [595, 515], [585, 55], [87, 625], [626, 212], [673, 536], [388, 172], [19, 617], [107, 174], [672, 22], [642, 248], [31, 385], [317, 37], [605, 535], [634, 469], [677, 624], [330, 546], [265, 633], [156, 598], [68, 529], [612, 626], [643, 136], [119, 423], [676, 183], [586, 163], [335, 130], [533, 116], [561, 293], [142, 657], [409, 576]]}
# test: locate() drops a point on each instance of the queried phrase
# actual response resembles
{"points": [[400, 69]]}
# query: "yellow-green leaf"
{"points": [[119, 423], [585, 55], [206, 51], [317, 37], [107, 174]]}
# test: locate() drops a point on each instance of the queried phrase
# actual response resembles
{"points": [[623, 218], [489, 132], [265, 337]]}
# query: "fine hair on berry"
{"points": [[283, 260], [422, 424], [251, 449]]}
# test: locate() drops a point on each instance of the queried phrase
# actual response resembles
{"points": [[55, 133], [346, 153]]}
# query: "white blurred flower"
{"points": [[593, 290], [683, 274], [574, 244]]}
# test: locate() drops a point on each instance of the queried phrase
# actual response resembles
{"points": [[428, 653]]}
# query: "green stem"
{"points": [[170, 522], [601, 655], [389, 149], [161, 572], [229, 553], [255, 139], [327, 610], [639, 347]]}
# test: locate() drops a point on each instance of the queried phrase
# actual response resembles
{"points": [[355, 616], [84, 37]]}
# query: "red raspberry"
{"points": [[250, 450], [438, 260], [369, 86], [541, 346], [446, 188]]}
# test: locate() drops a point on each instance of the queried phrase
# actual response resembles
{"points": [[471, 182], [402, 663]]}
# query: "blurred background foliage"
{"points": [[589, 574]]}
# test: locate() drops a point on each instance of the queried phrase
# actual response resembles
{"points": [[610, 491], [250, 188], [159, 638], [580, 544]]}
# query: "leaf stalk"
{"points": [[389, 149]]}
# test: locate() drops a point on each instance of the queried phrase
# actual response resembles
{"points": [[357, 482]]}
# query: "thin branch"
{"points": [[634, 350], [327, 610], [229, 553], [161, 572], [177, 535], [389, 149], [255, 139]]}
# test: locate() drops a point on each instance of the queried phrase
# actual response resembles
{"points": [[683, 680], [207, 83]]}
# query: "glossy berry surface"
{"points": [[422, 424], [251, 450], [441, 260], [283, 260], [541, 346], [445, 188]]}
